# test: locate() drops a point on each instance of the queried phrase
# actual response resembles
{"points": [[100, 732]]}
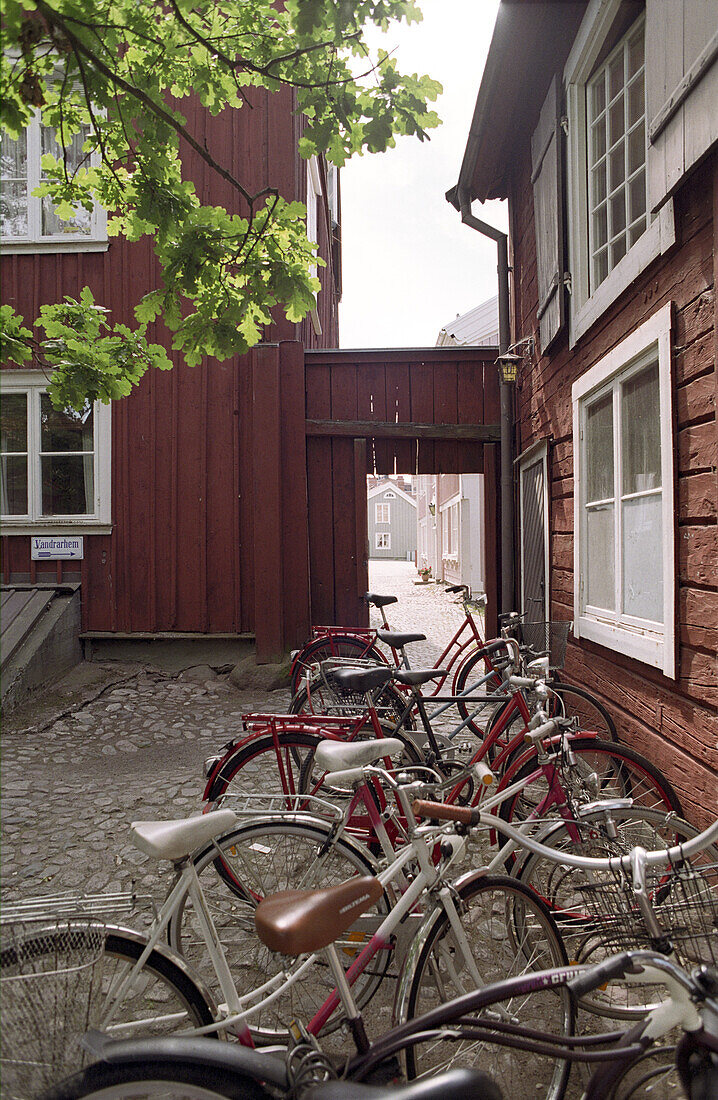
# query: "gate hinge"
{"points": [[564, 124], [567, 281]]}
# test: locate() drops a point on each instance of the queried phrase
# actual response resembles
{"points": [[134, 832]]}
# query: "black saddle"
{"points": [[396, 641], [361, 679], [379, 601]]}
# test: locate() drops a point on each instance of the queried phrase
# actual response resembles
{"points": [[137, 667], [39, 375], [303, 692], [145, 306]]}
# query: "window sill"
{"points": [[656, 240], [18, 248], [45, 527], [651, 649]]}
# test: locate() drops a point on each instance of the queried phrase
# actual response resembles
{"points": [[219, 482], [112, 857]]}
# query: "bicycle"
{"points": [[350, 913], [484, 1021]]}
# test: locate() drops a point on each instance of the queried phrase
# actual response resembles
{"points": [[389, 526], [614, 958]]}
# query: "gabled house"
{"points": [[598, 122], [170, 495], [391, 521]]}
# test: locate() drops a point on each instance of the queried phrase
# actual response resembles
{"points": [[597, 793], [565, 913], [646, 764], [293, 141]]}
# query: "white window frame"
{"points": [[447, 523], [95, 241], [586, 307], [383, 540], [532, 456], [314, 191], [654, 646], [34, 383], [380, 511]]}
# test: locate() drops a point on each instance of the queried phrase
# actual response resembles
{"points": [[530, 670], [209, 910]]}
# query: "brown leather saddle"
{"points": [[294, 922]]}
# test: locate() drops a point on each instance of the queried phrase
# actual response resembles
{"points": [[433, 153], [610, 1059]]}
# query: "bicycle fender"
{"points": [[230, 1057], [236, 747]]}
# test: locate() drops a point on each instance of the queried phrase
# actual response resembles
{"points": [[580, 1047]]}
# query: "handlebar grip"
{"points": [[441, 811], [603, 972], [457, 588], [493, 647]]}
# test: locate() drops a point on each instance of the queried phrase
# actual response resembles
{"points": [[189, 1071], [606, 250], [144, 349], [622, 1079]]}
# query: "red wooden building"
{"points": [[226, 501], [598, 122]]}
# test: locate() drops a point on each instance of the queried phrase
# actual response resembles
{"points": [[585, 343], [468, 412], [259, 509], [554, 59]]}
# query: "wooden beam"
{"points": [[377, 429]]}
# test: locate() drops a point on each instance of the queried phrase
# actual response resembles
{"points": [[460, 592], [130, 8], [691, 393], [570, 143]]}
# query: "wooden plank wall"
{"points": [[673, 722], [431, 386]]}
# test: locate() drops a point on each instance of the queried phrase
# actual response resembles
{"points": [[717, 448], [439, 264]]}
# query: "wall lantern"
{"points": [[432, 508], [508, 365]]}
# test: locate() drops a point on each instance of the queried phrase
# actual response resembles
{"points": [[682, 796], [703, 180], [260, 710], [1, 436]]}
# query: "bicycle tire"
{"points": [[510, 931], [596, 912], [323, 649], [619, 771], [255, 766], [34, 1058], [265, 857], [568, 701], [156, 1080]]}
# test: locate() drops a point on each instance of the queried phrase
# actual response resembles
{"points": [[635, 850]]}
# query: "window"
{"points": [[28, 223], [382, 513], [450, 531], [383, 540], [612, 235], [623, 470], [314, 190], [55, 466], [390, 496]]}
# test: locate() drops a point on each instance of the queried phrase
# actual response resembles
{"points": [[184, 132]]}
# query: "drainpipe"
{"points": [[506, 396]]}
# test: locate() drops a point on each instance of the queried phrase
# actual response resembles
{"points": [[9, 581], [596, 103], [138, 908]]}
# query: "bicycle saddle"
{"points": [[294, 922], [414, 676], [335, 756], [396, 641], [176, 839], [459, 1084], [380, 601], [361, 679]]}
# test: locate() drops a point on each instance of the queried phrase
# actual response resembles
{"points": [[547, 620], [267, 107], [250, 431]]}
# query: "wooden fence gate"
{"points": [[416, 411]]}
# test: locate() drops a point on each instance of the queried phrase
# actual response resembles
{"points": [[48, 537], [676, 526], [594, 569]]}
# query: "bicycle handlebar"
{"points": [[468, 816]]}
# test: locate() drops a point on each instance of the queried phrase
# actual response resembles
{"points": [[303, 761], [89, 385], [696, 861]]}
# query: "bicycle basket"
{"points": [[545, 638], [342, 700], [51, 985]]}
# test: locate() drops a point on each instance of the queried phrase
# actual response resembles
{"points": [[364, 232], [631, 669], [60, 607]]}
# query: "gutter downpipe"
{"points": [[506, 397]]}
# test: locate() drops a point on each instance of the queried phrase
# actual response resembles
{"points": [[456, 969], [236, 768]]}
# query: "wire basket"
{"points": [[545, 639], [51, 987], [345, 701]]}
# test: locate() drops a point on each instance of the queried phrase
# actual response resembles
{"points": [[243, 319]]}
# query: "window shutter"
{"points": [[548, 215], [681, 90]]}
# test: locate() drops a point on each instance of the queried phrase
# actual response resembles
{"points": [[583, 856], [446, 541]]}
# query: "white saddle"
{"points": [[336, 756], [176, 839]]}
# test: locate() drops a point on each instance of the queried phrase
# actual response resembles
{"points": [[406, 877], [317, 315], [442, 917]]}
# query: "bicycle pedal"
{"points": [[299, 1036]]}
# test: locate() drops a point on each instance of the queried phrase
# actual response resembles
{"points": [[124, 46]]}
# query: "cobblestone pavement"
{"points": [[132, 748]]}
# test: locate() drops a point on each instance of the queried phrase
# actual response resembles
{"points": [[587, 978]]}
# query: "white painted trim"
{"points": [[35, 241], [631, 636], [585, 308], [538, 452], [34, 382]]}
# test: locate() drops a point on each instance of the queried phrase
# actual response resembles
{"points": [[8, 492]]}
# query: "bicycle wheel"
{"points": [[323, 649], [471, 671], [50, 999], [597, 912], [156, 1080], [565, 701], [592, 770], [651, 1076], [264, 766], [236, 872], [510, 932]]}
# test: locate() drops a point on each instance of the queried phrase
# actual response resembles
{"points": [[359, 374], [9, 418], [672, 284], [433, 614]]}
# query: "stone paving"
{"points": [[132, 748]]}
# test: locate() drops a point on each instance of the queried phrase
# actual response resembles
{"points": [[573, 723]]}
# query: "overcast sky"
{"points": [[409, 265]]}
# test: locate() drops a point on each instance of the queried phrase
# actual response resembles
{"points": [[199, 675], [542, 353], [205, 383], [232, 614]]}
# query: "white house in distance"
{"points": [[449, 514], [391, 519]]}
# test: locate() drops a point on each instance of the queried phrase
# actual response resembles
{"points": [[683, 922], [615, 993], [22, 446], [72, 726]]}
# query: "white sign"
{"points": [[56, 547]]}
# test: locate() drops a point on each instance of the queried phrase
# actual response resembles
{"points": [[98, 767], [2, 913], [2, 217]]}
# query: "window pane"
{"points": [[598, 140], [13, 422], [618, 213], [74, 156], [636, 148], [14, 485], [641, 432], [599, 449], [643, 558], [13, 194], [635, 53], [617, 167], [600, 572], [600, 226], [615, 75], [637, 192], [599, 182], [598, 97], [616, 127], [66, 430], [636, 101], [618, 251], [67, 485]]}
